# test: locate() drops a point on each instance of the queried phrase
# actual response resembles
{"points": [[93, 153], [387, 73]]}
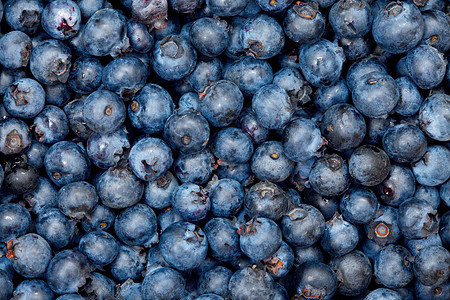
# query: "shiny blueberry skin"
{"points": [[431, 169], [100, 218], [215, 281], [150, 108], [58, 94], [15, 50], [183, 245], [61, 19], [302, 140], [404, 143], [43, 197], [232, 145], [356, 48], [7, 285], [150, 158], [67, 162], [50, 62], [163, 283], [383, 293], [393, 266], [74, 112], [86, 75], [151, 13], [238, 172], [189, 100], [431, 194], [15, 221], [426, 66], [187, 131], [196, 167], [104, 111], [105, 149], [56, 228], [263, 286], [209, 36], [129, 263], [340, 237], [269, 162], [359, 205], [119, 188], [262, 37], [316, 279], [105, 33], [249, 74], [31, 255], [266, 199], [24, 98], [398, 27], [417, 219], [433, 116], [343, 127], [321, 62], [226, 197], [272, 106], [135, 225], [330, 175], [99, 246], [140, 39], [358, 69], [304, 23], [375, 94], [67, 271], [77, 199], [173, 58], [207, 71], [351, 19], [259, 238], [125, 76], [24, 15], [398, 186], [221, 103], [436, 30], [369, 165], [158, 192], [191, 201], [51, 125], [281, 262], [223, 239], [410, 99], [7, 77], [33, 288], [226, 8]]}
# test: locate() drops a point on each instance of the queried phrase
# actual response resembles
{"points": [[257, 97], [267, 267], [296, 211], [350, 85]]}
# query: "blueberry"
{"points": [[398, 27], [436, 30], [191, 201], [152, 13], [358, 69], [420, 61], [119, 188], [24, 15], [15, 50], [248, 122], [384, 228], [433, 117], [194, 168], [163, 283], [226, 8], [321, 62], [85, 76], [393, 266], [330, 175], [410, 99], [25, 98], [430, 170], [209, 36], [232, 145], [150, 158], [369, 165], [100, 218], [33, 288], [136, 225], [272, 106], [15, 221], [105, 33], [106, 149], [56, 228], [173, 58], [50, 62], [74, 113], [140, 39], [359, 205], [129, 263], [7, 285], [431, 194], [221, 103], [304, 23], [215, 281], [416, 245], [281, 262], [51, 125], [43, 197], [351, 19], [68, 271], [383, 293], [142, 109], [223, 239], [61, 19], [340, 237], [259, 238], [294, 84], [424, 216], [269, 162], [315, 280], [187, 131], [100, 247], [261, 283], [183, 245], [398, 186]]}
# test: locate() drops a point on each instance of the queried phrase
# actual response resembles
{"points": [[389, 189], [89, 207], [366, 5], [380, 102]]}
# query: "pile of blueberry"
{"points": [[224, 149]]}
